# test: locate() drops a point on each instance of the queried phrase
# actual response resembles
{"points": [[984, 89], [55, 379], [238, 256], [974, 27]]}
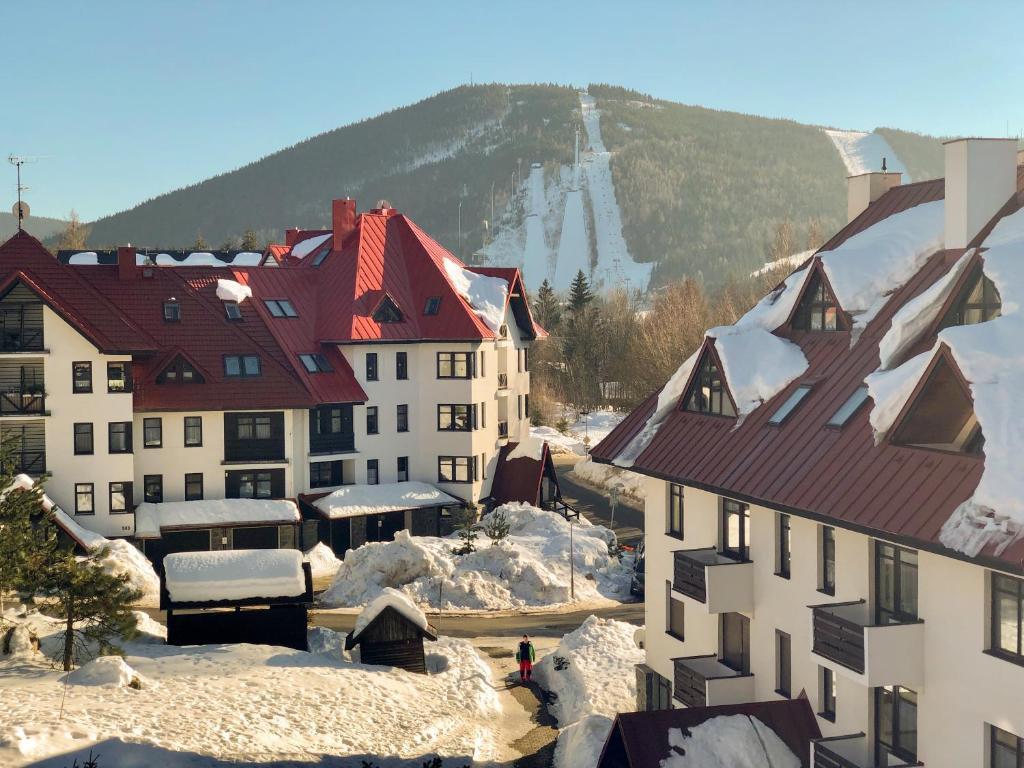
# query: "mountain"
{"points": [[661, 189], [39, 226]]}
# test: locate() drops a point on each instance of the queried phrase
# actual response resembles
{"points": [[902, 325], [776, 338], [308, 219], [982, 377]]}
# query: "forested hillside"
{"points": [[922, 155], [39, 226]]}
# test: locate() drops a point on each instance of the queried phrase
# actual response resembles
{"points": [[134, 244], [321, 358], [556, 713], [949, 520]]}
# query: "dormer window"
{"points": [[818, 309], [387, 312], [280, 308], [708, 393], [978, 302], [315, 363], [180, 371], [172, 311], [232, 310]]}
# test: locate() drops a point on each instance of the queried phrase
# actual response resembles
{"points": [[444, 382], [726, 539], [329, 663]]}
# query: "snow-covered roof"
{"points": [[85, 258], [360, 500], [237, 574], [231, 290], [150, 519], [390, 598], [728, 741], [486, 295], [528, 448], [302, 249]]}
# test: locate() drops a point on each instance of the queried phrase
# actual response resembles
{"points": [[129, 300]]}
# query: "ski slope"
{"points": [[863, 152], [573, 245]]}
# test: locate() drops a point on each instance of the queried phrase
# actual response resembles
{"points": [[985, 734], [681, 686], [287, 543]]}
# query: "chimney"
{"points": [[291, 236], [981, 175], [865, 188], [343, 219], [125, 262]]}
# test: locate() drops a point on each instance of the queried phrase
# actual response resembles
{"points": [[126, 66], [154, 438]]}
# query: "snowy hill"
{"points": [[864, 152]]}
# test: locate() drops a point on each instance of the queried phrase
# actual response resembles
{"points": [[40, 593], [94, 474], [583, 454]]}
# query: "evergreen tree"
{"points": [[546, 308], [467, 526], [250, 242], [579, 292], [75, 234], [496, 526], [200, 244], [96, 606]]}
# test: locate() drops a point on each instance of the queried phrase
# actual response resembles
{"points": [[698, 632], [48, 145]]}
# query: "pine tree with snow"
{"points": [[580, 294], [546, 307], [250, 242], [496, 526]]}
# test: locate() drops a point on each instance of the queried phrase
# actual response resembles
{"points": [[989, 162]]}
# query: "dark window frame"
{"points": [[373, 471], [783, 664], [126, 493], [1002, 584], [315, 362], [280, 308], [387, 312], [372, 420], [989, 307], [191, 479], [901, 565], [996, 747], [81, 432], [827, 545], [709, 393], [676, 509], [827, 693], [186, 427], [453, 361], [79, 490], [243, 369], [849, 408], [818, 309], [679, 633], [372, 368], [783, 546], [456, 465], [86, 388], [402, 366], [453, 411], [233, 311], [432, 305], [728, 509], [147, 423], [402, 417], [158, 483], [180, 371], [172, 311], [402, 468], [790, 405], [126, 431], [125, 378], [896, 747]]}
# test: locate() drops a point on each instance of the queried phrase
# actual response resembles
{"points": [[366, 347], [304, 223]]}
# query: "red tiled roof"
{"points": [[805, 466]]}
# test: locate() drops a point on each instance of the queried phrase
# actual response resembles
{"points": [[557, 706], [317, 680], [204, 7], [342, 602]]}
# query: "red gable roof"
{"points": [[520, 479]]}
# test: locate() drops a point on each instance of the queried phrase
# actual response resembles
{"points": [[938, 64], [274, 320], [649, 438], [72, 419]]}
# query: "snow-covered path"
{"points": [[863, 152], [615, 267]]}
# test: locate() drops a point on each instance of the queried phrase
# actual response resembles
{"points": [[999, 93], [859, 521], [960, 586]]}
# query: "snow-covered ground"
{"points": [[595, 426], [323, 563], [202, 706], [863, 152], [591, 678], [607, 476], [529, 569], [573, 252]]}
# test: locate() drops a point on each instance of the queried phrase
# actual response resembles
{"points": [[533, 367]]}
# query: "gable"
{"points": [[387, 311], [817, 309], [976, 301], [707, 390]]}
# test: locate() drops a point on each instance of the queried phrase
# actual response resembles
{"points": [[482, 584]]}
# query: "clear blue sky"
{"points": [[125, 100]]}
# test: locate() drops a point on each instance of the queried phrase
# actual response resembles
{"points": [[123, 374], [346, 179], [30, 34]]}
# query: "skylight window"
{"points": [[315, 363], [238, 366], [172, 311], [850, 407], [790, 405], [432, 306], [232, 310], [321, 255], [280, 308]]}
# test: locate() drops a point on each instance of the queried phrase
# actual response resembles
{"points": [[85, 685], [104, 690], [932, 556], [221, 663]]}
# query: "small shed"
{"points": [[258, 596], [390, 632], [525, 472]]}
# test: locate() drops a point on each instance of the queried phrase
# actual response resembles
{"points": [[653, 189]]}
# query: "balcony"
{"points": [[704, 681], [503, 383], [722, 584], [853, 751], [503, 430], [846, 638], [22, 402]]}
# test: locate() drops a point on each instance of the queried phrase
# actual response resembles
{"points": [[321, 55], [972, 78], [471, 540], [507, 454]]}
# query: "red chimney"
{"points": [[125, 262], [291, 236], [343, 219]]}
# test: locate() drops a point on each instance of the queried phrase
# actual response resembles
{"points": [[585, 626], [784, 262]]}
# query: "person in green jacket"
{"points": [[526, 655]]}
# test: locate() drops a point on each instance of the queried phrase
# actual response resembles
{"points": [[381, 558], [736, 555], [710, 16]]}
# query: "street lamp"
{"points": [[613, 498], [572, 565]]}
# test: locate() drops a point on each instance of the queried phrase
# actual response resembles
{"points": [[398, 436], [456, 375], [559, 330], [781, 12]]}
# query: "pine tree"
{"points": [[200, 244], [496, 526], [75, 234], [96, 606], [546, 308], [250, 242], [579, 292], [467, 526]]}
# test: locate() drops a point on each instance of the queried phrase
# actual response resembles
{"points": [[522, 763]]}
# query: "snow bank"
{"points": [[230, 290], [607, 477], [863, 152], [124, 558], [890, 390], [486, 295], [85, 258], [390, 598], [17, 641], [247, 259], [236, 574], [150, 518], [149, 630], [303, 248], [868, 267], [527, 448], [322, 561], [106, 670], [359, 500], [775, 308], [580, 743], [325, 642], [557, 442], [729, 741], [756, 364]]}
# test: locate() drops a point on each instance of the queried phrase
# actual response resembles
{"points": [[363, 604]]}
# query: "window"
{"points": [[315, 363], [827, 693], [83, 438], [454, 365], [255, 485], [895, 724], [977, 303], [519, 355], [193, 431], [194, 486], [331, 429], [241, 366], [895, 584], [790, 405], [526, 406], [120, 498], [483, 415], [1005, 749], [432, 306], [153, 488], [1007, 617], [321, 255], [119, 437], [253, 427], [483, 465], [735, 629], [850, 407], [783, 543], [324, 473], [401, 365], [371, 366], [119, 377], [519, 406], [818, 310], [483, 363], [455, 469], [402, 418], [707, 392], [387, 312], [172, 311], [180, 371], [85, 499], [280, 308], [941, 416], [454, 418], [371, 419], [403, 468], [232, 310], [783, 664], [675, 509], [526, 360], [372, 471], [735, 529], [81, 377], [828, 559], [675, 614], [152, 432]]}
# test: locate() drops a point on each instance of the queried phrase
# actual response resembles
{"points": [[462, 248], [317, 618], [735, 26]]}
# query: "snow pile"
{"points": [[486, 295], [123, 558], [390, 598], [247, 259], [869, 266], [325, 642], [597, 682], [305, 247], [149, 630], [85, 258], [756, 364], [17, 641], [359, 500], [557, 442], [728, 741], [791, 261], [236, 574], [890, 390], [530, 568], [777, 305], [527, 448], [593, 426], [150, 518], [230, 290], [606, 476], [106, 670], [863, 153], [322, 561]]}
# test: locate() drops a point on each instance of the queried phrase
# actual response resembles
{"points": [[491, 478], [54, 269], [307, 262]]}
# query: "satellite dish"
{"points": [[20, 210]]}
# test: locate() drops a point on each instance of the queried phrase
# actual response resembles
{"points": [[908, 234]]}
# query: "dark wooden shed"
{"points": [[392, 639]]}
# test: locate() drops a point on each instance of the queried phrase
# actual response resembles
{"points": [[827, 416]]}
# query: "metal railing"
{"points": [[16, 401]]}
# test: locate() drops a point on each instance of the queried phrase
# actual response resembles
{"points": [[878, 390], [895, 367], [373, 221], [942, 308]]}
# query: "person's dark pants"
{"points": [[525, 670]]}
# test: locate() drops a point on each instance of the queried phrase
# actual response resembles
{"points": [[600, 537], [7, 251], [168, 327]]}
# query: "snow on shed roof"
{"points": [[151, 519], [237, 574], [360, 500], [390, 598]]}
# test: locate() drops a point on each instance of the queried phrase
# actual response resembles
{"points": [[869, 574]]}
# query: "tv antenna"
{"points": [[20, 210]]}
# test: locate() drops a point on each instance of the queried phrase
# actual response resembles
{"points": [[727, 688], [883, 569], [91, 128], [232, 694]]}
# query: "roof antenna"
{"points": [[883, 165], [20, 209]]}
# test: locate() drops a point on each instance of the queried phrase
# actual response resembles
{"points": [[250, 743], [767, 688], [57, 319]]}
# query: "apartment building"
{"points": [[831, 494], [365, 354]]}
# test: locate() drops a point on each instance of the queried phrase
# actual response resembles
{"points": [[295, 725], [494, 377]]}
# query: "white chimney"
{"points": [[865, 188], [981, 175]]}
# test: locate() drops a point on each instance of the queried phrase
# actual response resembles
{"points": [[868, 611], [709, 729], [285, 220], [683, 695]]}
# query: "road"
{"points": [[594, 505]]}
